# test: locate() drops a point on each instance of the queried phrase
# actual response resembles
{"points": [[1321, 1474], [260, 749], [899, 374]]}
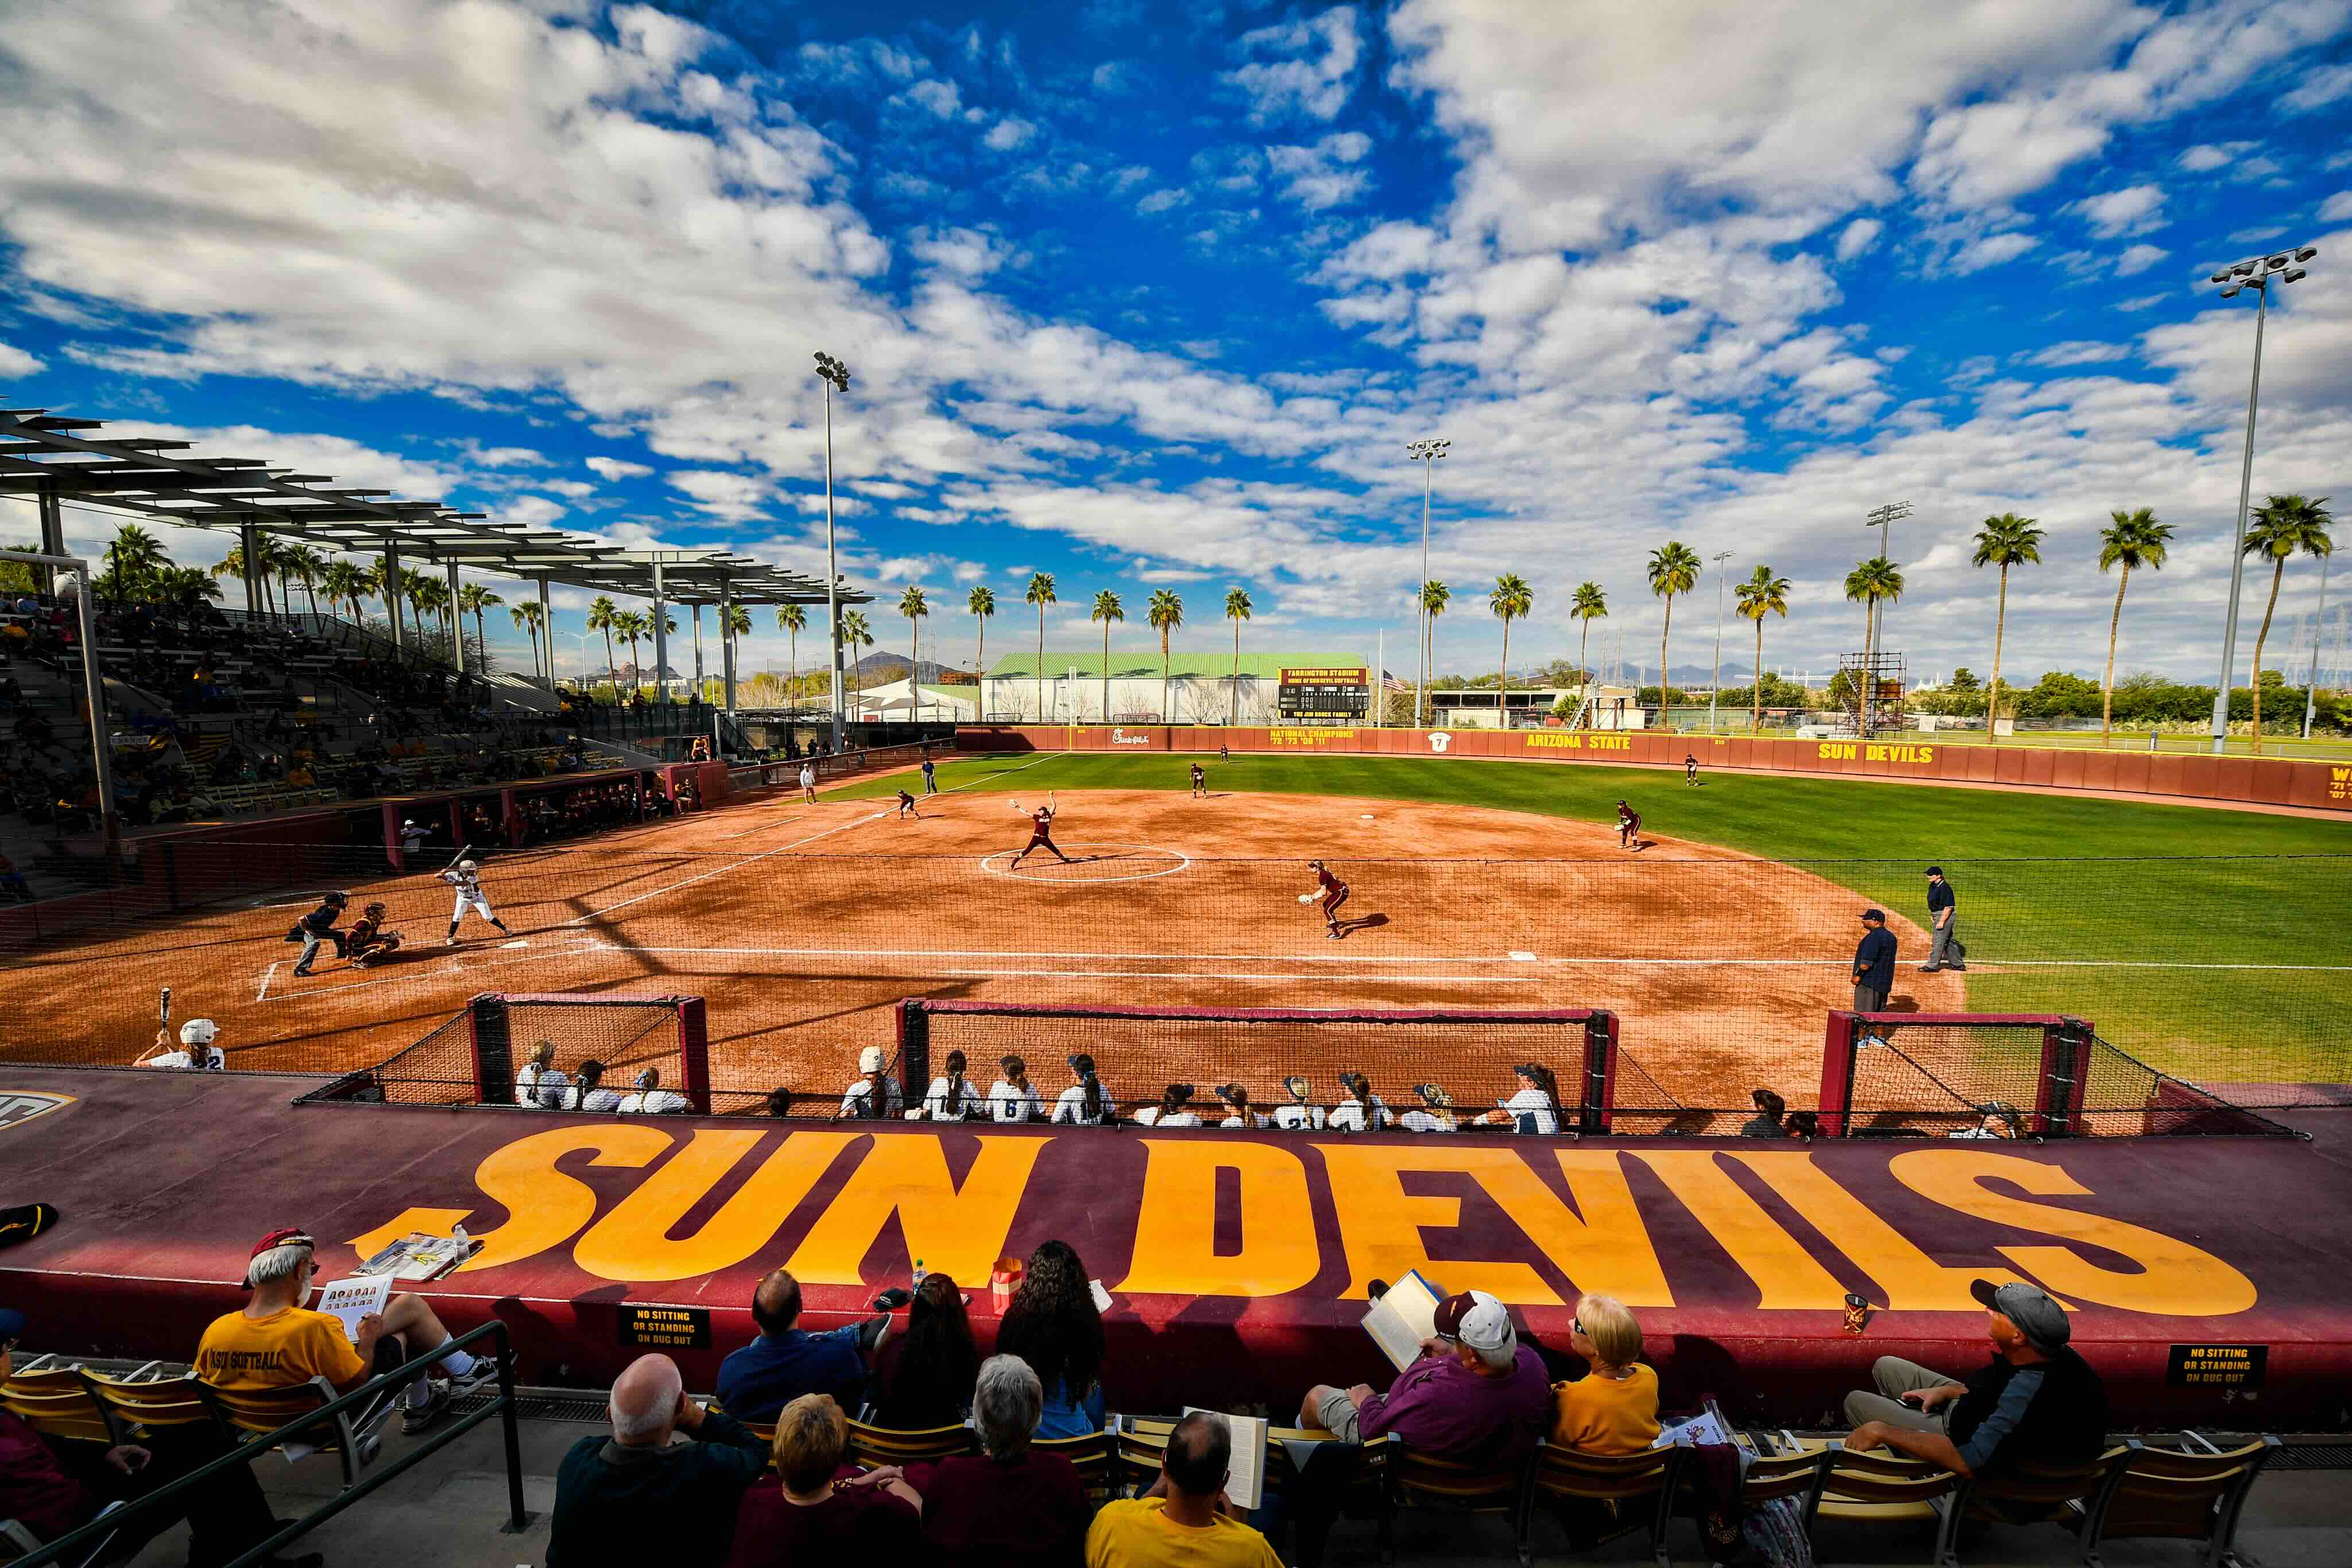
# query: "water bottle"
{"points": [[918, 1273], [464, 1243]]}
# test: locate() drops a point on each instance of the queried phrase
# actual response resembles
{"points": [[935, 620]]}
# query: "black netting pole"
{"points": [[494, 1073]]}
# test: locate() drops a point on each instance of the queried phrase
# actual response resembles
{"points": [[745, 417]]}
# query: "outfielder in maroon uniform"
{"points": [[1041, 832], [1331, 892]]}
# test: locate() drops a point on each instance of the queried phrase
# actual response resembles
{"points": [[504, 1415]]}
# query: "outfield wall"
{"points": [[2257, 780]]}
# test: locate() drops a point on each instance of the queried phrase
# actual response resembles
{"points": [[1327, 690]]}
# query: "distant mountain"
{"points": [[880, 667]]}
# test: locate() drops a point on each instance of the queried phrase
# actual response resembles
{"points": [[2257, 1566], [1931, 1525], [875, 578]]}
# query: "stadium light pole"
{"points": [[1426, 453], [1718, 557], [2257, 273], [1885, 518], [835, 377], [2318, 630]]}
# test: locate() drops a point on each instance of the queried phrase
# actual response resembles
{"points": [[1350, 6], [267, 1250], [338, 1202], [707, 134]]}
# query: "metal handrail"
{"points": [[245, 1453]]}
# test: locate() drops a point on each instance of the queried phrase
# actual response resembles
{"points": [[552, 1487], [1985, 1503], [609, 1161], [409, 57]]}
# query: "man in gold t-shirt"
{"points": [[277, 1342], [1179, 1522]]}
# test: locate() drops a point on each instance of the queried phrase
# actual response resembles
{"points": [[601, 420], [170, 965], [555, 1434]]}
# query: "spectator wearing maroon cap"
{"points": [[1477, 1395], [275, 1343]]}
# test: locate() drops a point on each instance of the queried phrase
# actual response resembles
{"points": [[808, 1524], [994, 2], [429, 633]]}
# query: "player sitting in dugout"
{"points": [[875, 1094]]}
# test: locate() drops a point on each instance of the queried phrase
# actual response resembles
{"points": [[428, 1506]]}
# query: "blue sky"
{"points": [[1152, 296]]}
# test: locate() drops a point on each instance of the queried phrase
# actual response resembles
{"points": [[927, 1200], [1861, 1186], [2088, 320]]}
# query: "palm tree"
{"points": [[914, 607], [2136, 539], [734, 621], [1433, 596], [1165, 614], [1674, 569], [1041, 594], [2004, 541], [472, 599], [371, 583], [1511, 599], [1762, 594], [793, 619], [182, 587], [981, 602], [856, 635], [132, 558], [1870, 582], [602, 617], [1237, 610], [303, 565], [232, 565], [2284, 527], [1590, 605], [631, 627], [527, 617], [1107, 610], [345, 582]]}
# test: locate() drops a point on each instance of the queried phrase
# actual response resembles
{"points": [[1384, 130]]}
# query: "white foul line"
{"points": [[398, 976], [1062, 953], [267, 976], [1199, 974], [722, 871]]}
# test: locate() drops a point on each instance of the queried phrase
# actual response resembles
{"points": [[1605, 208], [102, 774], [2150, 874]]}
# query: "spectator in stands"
{"points": [[780, 1103], [1534, 1109], [588, 1093], [1238, 1108], [1013, 1503], [2000, 1120], [1054, 1324], [1433, 1114], [651, 1099], [1179, 1520], [276, 1342], [876, 1094], [1012, 1098], [638, 1497], [1298, 1116], [922, 1378], [1769, 1109], [1477, 1395], [1805, 1124], [1614, 1408], [1362, 1111], [2036, 1402], [786, 1362], [825, 1510], [55, 1486], [1171, 1111], [1084, 1103], [951, 1097]]}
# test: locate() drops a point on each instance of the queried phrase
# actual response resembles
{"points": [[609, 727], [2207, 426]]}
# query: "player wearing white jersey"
{"points": [[466, 876]]}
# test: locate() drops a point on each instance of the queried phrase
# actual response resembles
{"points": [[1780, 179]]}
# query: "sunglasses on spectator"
{"points": [[1576, 1325]]}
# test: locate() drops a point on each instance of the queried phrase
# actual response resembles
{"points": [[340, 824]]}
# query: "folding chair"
{"points": [[2046, 1494], [871, 1448], [2181, 1495], [1425, 1481], [1090, 1454], [18, 1540], [261, 1411], [1141, 1443], [47, 1396], [1640, 1486], [1890, 1489], [140, 1402]]}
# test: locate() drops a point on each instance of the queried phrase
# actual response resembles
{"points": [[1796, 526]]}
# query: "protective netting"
{"points": [[1141, 1055], [554, 1052], [1943, 1076]]}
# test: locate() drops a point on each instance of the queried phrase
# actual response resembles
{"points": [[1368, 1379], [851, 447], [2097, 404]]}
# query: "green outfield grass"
{"points": [[2127, 913]]}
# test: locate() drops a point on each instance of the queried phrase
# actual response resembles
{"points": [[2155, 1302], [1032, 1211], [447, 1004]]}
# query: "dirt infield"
{"points": [[800, 924]]}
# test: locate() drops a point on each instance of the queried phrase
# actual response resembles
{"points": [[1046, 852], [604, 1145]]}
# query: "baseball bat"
{"points": [[164, 1007], [462, 851]]}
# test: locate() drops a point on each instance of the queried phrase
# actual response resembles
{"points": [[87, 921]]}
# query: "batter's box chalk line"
{"points": [[1086, 852]]}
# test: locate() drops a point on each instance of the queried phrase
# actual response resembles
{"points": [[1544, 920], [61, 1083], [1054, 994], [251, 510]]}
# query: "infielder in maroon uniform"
{"points": [[1629, 827], [1331, 891], [1041, 832]]}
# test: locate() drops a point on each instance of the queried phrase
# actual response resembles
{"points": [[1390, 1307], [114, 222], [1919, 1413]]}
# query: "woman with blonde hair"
{"points": [[825, 1510], [1612, 1409]]}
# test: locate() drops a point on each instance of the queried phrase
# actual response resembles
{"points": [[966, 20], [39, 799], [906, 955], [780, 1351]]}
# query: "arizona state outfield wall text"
{"points": [[2260, 781]]}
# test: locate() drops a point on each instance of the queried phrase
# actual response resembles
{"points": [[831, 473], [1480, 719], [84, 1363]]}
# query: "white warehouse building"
{"points": [[1202, 688]]}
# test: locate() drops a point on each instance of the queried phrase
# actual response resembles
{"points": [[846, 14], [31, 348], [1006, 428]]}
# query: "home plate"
{"points": [[1523, 958], [1368, 816], [518, 942]]}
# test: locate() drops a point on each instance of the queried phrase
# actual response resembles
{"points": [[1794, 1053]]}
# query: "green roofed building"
{"points": [[1070, 686]]}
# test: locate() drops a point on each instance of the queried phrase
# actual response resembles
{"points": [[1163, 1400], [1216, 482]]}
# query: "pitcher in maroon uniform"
{"points": [[1041, 832]]}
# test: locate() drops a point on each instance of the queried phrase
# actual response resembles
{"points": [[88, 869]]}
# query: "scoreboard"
{"points": [[1333, 694]]}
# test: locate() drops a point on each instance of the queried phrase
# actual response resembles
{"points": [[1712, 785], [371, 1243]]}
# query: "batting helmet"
{"points": [[468, 865], [198, 1032]]}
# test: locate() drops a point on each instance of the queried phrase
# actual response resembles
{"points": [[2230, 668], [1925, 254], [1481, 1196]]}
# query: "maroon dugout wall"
{"points": [[2256, 780]]}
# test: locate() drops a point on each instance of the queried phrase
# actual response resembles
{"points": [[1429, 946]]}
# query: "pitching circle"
{"points": [[1090, 857]]}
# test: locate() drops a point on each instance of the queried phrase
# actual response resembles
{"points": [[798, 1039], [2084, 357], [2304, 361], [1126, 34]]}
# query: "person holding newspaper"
{"points": [[1474, 1394]]}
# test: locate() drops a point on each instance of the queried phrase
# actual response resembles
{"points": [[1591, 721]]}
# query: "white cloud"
{"points": [[617, 469], [1992, 250], [2204, 158], [736, 498], [2132, 210], [1309, 69], [2318, 89], [1857, 237], [2139, 258], [14, 362], [2080, 353], [1323, 175], [941, 98], [2336, 208], [1009, 134], [1162, 200]]}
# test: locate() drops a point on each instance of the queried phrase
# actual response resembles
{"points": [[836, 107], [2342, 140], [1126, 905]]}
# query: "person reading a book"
{"points": [[1011, 1503], [276, 1342], [1612, 1409], [1475, 1394], [1178, 1523]]}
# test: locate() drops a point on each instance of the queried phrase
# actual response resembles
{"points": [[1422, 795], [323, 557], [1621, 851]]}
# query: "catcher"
{"points": [[367, 940]]}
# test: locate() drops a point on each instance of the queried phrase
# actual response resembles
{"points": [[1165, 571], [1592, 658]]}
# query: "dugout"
{"points": [[502, 817]]}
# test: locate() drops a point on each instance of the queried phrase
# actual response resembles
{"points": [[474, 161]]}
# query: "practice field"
{"points": [[1482, 885]]}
